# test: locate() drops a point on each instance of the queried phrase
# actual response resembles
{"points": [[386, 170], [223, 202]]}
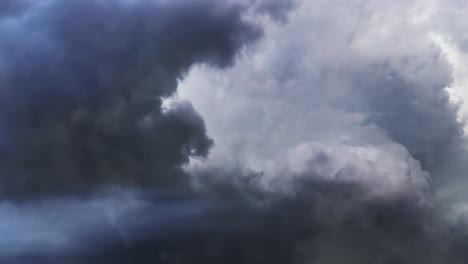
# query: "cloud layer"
{"points": [[82, 88], [330, 125]]}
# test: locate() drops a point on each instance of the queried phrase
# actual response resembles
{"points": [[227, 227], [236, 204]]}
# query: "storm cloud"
{"points": [[83, 84], [243, 131]]}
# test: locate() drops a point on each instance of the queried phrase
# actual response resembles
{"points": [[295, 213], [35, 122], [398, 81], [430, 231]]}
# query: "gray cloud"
{"points": [[394, 79], [82, 89], [277, 9], [322, 222], [327, 133], [354, 91]]}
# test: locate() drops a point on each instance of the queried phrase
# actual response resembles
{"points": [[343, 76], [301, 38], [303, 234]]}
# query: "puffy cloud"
{"points": [[363, 71], [326, 132], [82, 88]]}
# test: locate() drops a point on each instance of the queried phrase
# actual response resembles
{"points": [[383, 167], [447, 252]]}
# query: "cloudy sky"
{"points": [[234, 131]]}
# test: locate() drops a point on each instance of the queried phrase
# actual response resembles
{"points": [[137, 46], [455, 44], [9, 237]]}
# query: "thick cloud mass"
{"points": [[321, 222], [328, 122], [356, 57], [82, 84]]}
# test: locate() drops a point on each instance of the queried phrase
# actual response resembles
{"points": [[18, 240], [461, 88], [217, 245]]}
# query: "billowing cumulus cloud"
{"points": [[356, 58], [82, 88], [242, 131]]}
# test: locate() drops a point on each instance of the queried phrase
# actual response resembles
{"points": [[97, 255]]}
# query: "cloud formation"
{"points": [[83, 83], [331, 128]]}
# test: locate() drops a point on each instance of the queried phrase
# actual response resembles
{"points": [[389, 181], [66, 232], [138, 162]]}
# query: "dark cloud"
{"points": [[277, 9], [330, 164], [322, 222], [358, 78], [83, 84], [418, 115], [10, 8]]}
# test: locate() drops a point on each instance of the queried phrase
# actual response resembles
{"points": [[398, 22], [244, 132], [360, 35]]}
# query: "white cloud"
{"points": [[369, 72]]}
